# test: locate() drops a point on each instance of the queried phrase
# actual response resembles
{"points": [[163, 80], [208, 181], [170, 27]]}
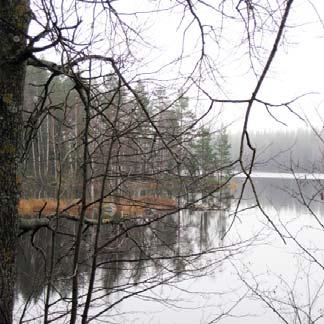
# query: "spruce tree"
{"points": [[223, 151]]}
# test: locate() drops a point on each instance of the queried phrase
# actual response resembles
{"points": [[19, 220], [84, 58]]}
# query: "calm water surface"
{"points": [[248, 273]]}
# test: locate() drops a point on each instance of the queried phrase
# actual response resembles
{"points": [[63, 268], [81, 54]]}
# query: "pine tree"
{"points": [[223, 151], [205, 156]]}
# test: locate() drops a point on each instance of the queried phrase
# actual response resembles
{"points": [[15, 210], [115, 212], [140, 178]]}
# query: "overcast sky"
{"points": [[298, 67]]}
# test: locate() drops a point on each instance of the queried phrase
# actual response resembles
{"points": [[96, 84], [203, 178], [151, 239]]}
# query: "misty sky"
{"points": [[168, 48], [297, 70]]}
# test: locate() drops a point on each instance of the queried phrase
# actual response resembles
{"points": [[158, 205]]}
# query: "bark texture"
{"points": [[14, 20]]}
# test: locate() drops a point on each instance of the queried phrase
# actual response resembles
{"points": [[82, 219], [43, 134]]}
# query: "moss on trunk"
{"points": [[14, 20]]}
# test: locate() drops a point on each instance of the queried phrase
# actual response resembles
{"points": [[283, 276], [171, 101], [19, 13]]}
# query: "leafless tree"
{"points": [[107, 120]]}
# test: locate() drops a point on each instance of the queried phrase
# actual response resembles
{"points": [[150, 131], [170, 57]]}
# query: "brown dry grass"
{"points": [[30, 207], [233, 185], [131, 207], [137, 206]]}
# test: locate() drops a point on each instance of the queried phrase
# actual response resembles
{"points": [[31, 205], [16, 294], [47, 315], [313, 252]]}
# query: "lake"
{"points": [[197, 266]]}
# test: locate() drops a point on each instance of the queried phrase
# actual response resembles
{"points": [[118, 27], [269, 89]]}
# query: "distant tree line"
{"points": [[284, 151]]}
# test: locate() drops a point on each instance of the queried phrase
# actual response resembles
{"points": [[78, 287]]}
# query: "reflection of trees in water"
{"points": [[287, 193], [296, 206], [222, 224], [142, 254], [204, 225], [34, 254]]}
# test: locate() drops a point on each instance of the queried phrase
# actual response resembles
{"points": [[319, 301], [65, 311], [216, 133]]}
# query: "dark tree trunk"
{"points": [[13, 26]]}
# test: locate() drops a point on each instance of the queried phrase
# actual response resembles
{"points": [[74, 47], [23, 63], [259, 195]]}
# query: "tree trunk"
{"points": [[54, 150], [14, 20], [47, 144]]}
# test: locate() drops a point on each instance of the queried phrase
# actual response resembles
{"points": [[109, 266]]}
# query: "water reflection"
{"points": [[186, 245], [131, 253], [286, 193]]}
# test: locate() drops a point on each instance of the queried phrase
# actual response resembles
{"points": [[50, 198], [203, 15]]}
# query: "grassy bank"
{"points": [[131, 207]]}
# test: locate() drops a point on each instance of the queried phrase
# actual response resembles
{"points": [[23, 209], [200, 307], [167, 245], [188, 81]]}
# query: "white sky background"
{"points": [[298, 67]]}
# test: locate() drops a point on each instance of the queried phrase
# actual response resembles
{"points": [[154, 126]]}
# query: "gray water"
{"points": [[200, 266]]}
